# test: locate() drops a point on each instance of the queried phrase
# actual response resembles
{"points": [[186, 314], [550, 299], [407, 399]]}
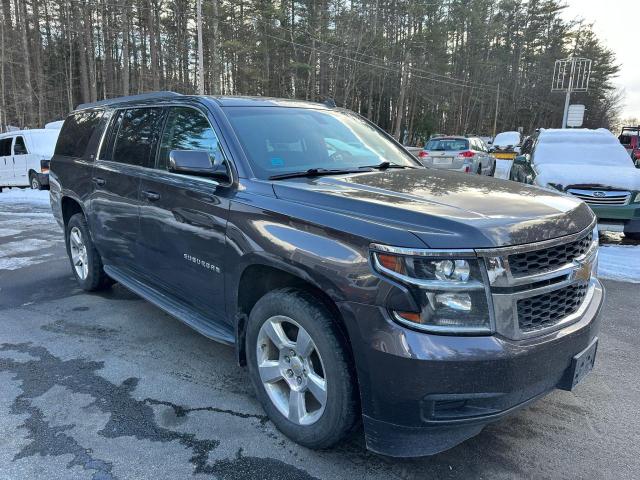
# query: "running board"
{"points": [[175, 308]]}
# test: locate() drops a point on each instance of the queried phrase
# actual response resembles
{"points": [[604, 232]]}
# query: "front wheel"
{"points": [[299, 364]]}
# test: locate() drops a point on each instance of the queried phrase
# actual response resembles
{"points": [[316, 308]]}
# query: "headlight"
{"points": [[450, 289], [637, 198]]}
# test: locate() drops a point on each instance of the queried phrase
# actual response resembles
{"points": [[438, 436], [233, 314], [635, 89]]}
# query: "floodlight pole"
{"points": [[567, 98]]}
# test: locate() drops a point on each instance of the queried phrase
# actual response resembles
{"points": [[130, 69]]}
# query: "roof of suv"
{"points": [[223, 101]]}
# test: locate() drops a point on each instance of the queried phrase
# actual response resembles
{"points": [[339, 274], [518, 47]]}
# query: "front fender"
{"points": [[333, 261]]}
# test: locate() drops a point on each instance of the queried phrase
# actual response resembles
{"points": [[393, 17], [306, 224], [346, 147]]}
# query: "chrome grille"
{"points": [[528, 263], [601, 197], [543, 311], [541, 287]]}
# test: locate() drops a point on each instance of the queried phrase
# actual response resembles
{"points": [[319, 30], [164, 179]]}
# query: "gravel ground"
{"points": [[106, 386]]}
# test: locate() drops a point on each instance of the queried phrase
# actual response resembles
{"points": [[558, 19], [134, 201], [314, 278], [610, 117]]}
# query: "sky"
{"points": [[616, 22]]}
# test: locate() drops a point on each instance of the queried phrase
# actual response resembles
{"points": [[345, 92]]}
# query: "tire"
{"points": [[90, 275], [321, 426], [34, 182], [492, 173], [633, 236]]}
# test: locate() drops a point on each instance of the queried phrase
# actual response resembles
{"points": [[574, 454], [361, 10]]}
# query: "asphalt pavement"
{"points": [[106, 386]]}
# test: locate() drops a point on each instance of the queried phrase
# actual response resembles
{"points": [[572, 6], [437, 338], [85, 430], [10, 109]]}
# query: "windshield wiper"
{"points": [[315, 172], [384, 165]]}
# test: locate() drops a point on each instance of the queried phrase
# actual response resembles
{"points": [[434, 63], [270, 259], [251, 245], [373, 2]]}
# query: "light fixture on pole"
{"points": [[570, 75]]}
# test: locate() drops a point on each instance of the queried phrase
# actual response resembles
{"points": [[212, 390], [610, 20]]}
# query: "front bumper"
{"points": [[627, 217], [423, 393]]}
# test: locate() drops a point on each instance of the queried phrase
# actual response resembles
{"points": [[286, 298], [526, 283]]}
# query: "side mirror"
{"points": [[194, 162]]}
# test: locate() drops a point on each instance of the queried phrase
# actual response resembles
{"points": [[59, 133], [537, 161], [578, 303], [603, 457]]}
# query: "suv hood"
{"points": [[445, 209], [605, 176]]}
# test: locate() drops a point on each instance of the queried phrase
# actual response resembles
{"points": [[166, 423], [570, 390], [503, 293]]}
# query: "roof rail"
{"points": [[130, 98]]}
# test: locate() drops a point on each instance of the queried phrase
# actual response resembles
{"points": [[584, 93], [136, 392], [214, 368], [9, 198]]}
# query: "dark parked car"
{"points": [[354, 283]]}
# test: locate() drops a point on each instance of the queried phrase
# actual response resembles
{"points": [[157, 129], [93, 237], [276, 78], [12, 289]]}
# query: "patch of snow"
{"points": [[24, 197], [567, 174], [503, 168], [14, 263], [22, 246], [619, 262], [583, 157], [9, 232], [579, 147]]}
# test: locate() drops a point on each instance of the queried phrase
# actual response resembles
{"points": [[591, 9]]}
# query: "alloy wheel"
{"points": [[291, 370], [79, 256]]}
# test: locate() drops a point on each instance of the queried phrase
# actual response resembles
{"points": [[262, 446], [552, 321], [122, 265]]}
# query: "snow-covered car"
{"points": [[461, 154], [25, 156], [506, 145], [591, 165]]}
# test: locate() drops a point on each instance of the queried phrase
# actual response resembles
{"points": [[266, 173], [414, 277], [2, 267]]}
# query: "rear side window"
{"points": [[76, 133], [136, 136], [5, 147], [19, 148]]}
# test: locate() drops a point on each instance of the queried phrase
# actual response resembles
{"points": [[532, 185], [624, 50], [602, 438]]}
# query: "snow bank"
{"points": [[619, 262], [23, 197]]}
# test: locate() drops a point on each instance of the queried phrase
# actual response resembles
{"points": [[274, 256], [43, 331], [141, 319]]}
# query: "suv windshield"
{"points": [[280, 140], [446, 144]]}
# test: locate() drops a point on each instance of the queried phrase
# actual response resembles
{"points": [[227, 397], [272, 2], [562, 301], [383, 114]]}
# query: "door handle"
{"points": [[99, 181], [153, 196]]}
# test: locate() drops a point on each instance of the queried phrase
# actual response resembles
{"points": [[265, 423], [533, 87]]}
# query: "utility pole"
{"points": [[200, 53], [495, 118]]}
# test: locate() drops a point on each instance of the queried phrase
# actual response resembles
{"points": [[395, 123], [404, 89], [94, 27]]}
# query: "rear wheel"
{"points": [[85, 259], [34, 182], [298, 362]]}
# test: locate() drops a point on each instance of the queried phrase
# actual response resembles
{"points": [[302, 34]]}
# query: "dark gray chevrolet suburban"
{"points": [[355, 284]]}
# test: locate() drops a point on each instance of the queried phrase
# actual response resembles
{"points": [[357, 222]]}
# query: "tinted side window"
{"points": [[19, 148], [5, 147], [135, 137], [188, 129], [76, 133]]}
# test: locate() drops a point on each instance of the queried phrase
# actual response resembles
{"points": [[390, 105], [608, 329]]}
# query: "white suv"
{"points": [[24, 157]]}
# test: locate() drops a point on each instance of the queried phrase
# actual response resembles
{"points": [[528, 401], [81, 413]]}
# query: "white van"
{"points": [[25, 156]]}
